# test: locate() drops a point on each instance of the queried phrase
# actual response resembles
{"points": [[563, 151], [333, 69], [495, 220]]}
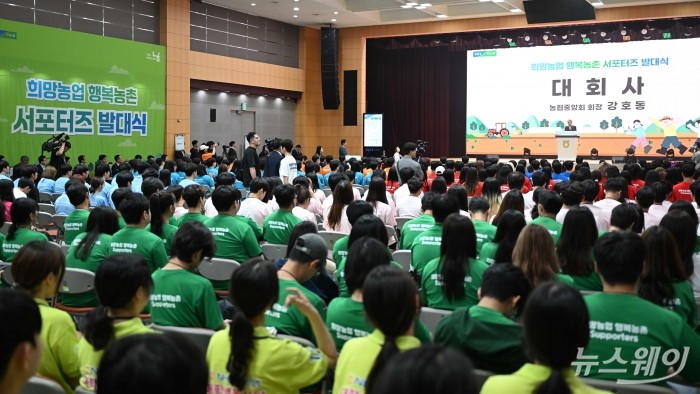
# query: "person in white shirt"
{"points": [[315, 204], [613, 190], [397, 154], [539, 179], [662, 191], [572, 196], [590, 192], [333, 181], [180, 209], [411, 205], [645, 199], [336, 218], [23, 187], [376, 196], [405, 173], [288, 165], [253, 206], [223, 179], [303, 199]]}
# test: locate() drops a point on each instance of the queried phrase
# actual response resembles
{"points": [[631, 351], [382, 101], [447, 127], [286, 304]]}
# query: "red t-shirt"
{"points": [[681, 191]]}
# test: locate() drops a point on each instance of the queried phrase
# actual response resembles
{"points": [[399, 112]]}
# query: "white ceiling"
{"points": [[353, 13]]}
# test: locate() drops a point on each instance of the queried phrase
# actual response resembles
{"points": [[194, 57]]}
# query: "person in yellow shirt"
{"points": [[245, 357], [555, 327], [123, 284], [392, 305], [20, 348], [38, 269]]}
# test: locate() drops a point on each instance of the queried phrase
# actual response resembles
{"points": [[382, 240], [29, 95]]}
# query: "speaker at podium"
{"points": [[567, 145]]}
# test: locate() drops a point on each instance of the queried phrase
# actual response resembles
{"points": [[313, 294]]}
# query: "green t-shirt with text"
{"points": [[189, 217], [551, 225], [167, 235], [257, 230], [425, 247], [588, 283], [412, 228], [181, 298], [234, 240], [432, 287], [288, 319], [488, 253], [97, 254], [278, 227], [485, 232], [22, 237], [142, 242], [75, 224], [340, 249]]}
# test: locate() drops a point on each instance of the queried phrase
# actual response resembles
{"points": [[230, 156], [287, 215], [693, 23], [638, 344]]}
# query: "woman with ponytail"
{"points": [[23, 215], [303, 201], [90, 249], [123, 283], [452, 280], [555, 327], [162, 210], [244, 355], [500, 250], [392, 305], [96, 197]]}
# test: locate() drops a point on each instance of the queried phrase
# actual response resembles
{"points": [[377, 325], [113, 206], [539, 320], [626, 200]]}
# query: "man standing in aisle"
{"points": [[251, 161], [343, 150], [272, 164], [408, 161]]}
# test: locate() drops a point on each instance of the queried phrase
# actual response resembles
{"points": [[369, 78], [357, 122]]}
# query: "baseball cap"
{"points": [[203, 147], [439, 170], [309, 247]]}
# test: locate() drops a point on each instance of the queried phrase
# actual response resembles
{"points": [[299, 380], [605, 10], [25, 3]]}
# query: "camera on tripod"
{"points": [[420, 148], [54, 143]]}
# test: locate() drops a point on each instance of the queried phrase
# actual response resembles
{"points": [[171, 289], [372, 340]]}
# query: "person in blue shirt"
{"points": [[334, 164], [141, 167], [64, 174], [102, 172], [46, 183], [96, 197], [62, 204], [124, 180], [203, 178]]}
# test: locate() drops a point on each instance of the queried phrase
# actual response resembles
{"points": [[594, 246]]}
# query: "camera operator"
{"points": [[409, 161], [274, 158], [58, 154], [230, 151]]}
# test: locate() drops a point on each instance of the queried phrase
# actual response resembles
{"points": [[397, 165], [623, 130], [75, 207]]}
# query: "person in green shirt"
{"points": [[20, 332], [38, 270], [134, 238], [575, 248], [278, 225], [412, 228], [123, 284], [162, 205], [345, 317], [75, 223], [550, 307], [486, 332], [117, 198], [89, 250], [366, 226], [355, 209], [548, 206], [194, 197], [234, 239], [426, 246], [500, 250], [305, 260], [621, 323], [245, 357], [452, 280], [180, 297], [391, 305], [24, 213], [534, 254], [479, 213]]}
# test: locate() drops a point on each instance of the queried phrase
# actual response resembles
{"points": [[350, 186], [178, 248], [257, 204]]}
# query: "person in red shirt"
{"points": [[681, 191]]}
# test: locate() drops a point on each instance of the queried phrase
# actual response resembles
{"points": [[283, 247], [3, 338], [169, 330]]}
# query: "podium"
{"points": [[567, 145]]}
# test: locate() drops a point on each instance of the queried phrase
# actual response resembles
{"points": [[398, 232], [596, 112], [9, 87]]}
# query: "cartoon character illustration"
{"points": [[670, 135], [695, 126], [638, 130]]}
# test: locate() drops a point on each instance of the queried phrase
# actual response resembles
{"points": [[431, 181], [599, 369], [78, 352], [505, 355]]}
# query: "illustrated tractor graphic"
{"points": [[499, 131]]}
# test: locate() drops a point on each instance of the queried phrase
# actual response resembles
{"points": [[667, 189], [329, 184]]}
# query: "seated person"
{"points": [[181, 297], [622, 323], [77, 220], [415, 226], [486, 332], [426, 245], [20, 348], [279, 224], [194, 197]]}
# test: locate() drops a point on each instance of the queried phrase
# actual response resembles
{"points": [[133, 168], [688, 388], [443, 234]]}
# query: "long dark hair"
{"points": [[457, 247], [555, 326], [342, 196], [376, 191], [21, 214], [160, 203], [116, 282], [34, 262], [389, 298], [662, 267], [254, 287], [459, 193], [102, 220], [683, 228], [575, 246], [509, 227], [512, 200]]}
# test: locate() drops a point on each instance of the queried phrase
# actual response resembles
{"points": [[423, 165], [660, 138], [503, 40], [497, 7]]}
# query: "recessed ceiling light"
{"points": [[421, 7], [597, 3], [333, 20], [427, 5], [515, 10], [296, 8], [498, 1], [335, 12], [411, 3], [441, 16], [296, 16], [253, 4], [406, 6]]}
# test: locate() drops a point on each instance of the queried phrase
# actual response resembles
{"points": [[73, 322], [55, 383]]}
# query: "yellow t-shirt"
{"points": [[277, 366], [357, 359], [89, 358], [59, 362], [529, 377]]}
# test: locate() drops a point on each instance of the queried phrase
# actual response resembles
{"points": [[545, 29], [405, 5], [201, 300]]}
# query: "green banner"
{"points": [[107, 94]]}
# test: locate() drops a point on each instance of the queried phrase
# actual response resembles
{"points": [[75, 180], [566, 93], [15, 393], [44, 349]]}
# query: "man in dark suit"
{"points": [[570, 126]]}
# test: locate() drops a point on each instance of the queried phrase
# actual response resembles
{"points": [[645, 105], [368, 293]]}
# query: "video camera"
{"points": [[54, 143], [420, 148], [272, 143]]}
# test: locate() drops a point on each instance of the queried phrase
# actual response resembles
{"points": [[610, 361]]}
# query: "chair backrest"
{"points": [[612, 386], [45, 197], [77, 281], [59, 221], [43, 219], [331, 237], [5, 228], [390, 231], [481, 376], [403, 257], [218, 268], [431, 317], [7, 275], [327, 191], [274, 252], [55, 196], [80, 390], [65, 248], [359, 189], [401, 220], [299, 340], [37, 385], [199, 336], [48, 208]]}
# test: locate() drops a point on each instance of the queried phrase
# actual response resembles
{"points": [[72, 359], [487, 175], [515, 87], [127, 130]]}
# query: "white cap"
{"points": [[203, 147], [440, 170]]}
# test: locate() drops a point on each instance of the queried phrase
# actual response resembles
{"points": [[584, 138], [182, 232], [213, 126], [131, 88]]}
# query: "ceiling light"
{"points": [[441, 16], [498, 1], [296, 8], [296, 16], [253, 4], [515, 10], [420, 7], [411, 3], [406, 6], [335, 12], [427, 5], [333, 20], [597, 3]]}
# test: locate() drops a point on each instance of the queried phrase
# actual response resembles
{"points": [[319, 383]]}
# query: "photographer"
{"points": [[409, 161], [274, 158], [230, 151], [58, 151]]}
